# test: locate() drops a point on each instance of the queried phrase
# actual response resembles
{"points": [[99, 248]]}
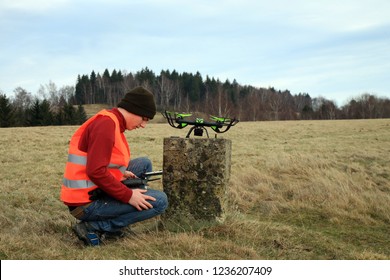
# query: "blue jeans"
{"points": [[110, 215]]}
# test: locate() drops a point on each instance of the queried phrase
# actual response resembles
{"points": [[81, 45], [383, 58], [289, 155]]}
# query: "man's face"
{"points": [[135, 121]]}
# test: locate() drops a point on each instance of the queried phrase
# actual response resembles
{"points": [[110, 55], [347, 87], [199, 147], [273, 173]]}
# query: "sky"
{"points": [[336, 49]]}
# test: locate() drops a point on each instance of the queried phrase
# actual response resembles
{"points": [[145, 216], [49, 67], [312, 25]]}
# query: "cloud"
{"points": [[317, 47]]}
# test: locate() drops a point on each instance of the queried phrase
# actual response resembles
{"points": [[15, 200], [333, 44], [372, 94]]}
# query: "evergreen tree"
{"points": [[83, 90], [69, 117], [34, 114], [6, 112], [94, 90], [59, 117], [106, 74], [146, 77], [307, 112], [79, 91], [39, 114], [81, 115], [47, 115], [120, 77], [192, 85], [114, 76]]}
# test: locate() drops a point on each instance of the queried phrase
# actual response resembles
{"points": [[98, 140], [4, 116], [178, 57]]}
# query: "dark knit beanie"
{"points": [[139, 101]]}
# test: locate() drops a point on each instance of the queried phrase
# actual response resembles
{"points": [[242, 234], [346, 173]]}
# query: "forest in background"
{"points": [[181, 92]]}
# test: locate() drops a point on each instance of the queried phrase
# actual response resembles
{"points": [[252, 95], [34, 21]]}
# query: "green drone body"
{"points": [[217, 124]]}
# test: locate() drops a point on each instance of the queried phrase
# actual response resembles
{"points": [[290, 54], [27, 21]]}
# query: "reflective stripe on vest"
{"points": [[78, 184], [82, 160], [84, 184]]}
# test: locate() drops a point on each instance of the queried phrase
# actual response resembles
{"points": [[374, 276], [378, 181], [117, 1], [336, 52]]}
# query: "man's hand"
{"points": [[140, 201], [128, 174]]}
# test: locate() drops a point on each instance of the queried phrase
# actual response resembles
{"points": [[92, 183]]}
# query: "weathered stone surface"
{"points": [[196, 177]]}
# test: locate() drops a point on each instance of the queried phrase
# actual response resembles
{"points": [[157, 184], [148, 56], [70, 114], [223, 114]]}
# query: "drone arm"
{"points": [[174, 121], [228, 125]]}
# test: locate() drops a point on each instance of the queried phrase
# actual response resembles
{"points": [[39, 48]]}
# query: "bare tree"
{"points": [[22, 99], [129, 81], [66, 92], [368, 102], [166, 90], [275, 102], [50, 93], [253, 104]]}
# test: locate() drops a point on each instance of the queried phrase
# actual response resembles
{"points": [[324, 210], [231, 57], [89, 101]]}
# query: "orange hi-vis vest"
{"points": [[76, 184]]}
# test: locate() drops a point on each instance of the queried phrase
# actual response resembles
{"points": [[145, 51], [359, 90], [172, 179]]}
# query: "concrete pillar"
{"points": [[196, 180]]}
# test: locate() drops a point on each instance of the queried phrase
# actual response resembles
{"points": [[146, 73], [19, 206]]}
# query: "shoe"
{"points": [[89, 237], [116, 235], [112, 235]]}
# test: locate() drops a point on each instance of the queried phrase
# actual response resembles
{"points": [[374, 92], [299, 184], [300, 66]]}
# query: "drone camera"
{"points": [[198, 131]]}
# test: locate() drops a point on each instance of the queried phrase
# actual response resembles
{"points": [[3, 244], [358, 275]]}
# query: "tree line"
{"points": [[181, 92], [28, 110], [188, 92]]}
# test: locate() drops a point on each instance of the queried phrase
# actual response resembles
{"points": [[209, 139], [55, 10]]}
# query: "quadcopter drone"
{"points": [[180, 120]]}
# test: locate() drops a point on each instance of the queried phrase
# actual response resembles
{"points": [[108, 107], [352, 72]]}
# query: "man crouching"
{"points": [[98, 160]]}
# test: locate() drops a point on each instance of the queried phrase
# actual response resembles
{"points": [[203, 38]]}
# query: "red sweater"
{"points": [[98, 141]]}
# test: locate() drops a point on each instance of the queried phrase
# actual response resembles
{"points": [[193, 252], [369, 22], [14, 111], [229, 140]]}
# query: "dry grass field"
{"points": [[299, 190]]}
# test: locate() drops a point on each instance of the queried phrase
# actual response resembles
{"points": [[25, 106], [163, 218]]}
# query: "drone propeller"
{"points": [[219, 119]]}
